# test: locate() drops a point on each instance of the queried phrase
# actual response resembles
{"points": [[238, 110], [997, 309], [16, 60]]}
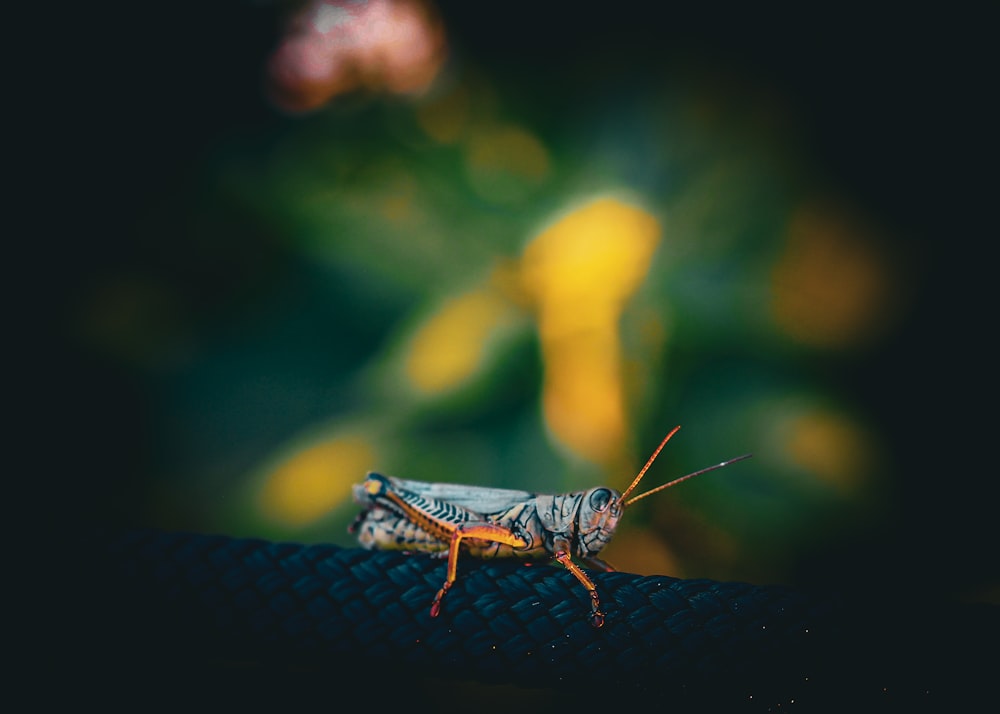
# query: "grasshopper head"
{"points": [[597, 519], [601, 508]]}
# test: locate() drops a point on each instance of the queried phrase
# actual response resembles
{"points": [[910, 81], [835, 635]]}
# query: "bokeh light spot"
{"points": [[579, 273], [332, 47], [314, 480], [504, 163], [445, 118], [133, 318], [831, 448], [450, 347], [398, 203], [640, 551], [832, 287]]}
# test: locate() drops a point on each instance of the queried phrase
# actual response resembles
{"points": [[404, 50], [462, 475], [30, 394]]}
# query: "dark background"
{"points": [[897, 108]]}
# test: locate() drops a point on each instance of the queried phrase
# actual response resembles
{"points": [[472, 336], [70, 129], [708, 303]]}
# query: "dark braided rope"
{"points": [[188, 603]]}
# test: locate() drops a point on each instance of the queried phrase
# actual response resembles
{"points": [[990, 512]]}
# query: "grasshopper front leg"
{"points": [[481, 530], [563, 556]]}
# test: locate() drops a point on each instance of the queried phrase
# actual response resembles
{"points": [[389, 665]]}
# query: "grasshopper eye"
{"points": [[600, 498]]}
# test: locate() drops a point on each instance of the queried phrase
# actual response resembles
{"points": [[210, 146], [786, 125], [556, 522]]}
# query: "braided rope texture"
{"points": [[272, 620]]}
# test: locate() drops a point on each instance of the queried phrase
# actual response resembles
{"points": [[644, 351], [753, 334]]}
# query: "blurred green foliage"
{"points": [[280, 289], [354, 228]]}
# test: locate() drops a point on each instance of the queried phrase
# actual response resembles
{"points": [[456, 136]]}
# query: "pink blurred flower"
{"points": [[336, 46]]}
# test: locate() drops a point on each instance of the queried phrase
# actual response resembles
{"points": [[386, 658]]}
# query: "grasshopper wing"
{"points": [[474, 498]]}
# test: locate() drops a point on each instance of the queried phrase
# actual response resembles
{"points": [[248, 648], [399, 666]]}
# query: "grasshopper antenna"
{"points": [[642, 472], [625, 501], [676, 481]]}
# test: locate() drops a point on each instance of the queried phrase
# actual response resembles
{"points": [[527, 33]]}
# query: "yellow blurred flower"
{"points": [[312, 481], [450, 348], [579, 274]]}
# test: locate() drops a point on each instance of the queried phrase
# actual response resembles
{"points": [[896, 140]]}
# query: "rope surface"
{"points": [[269, 622]]}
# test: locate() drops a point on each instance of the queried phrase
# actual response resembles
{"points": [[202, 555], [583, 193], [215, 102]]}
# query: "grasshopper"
{"points": [[443, 519]]}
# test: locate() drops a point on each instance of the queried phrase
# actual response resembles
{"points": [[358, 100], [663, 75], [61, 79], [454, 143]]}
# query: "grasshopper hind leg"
{"points": [[472, 529]]}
